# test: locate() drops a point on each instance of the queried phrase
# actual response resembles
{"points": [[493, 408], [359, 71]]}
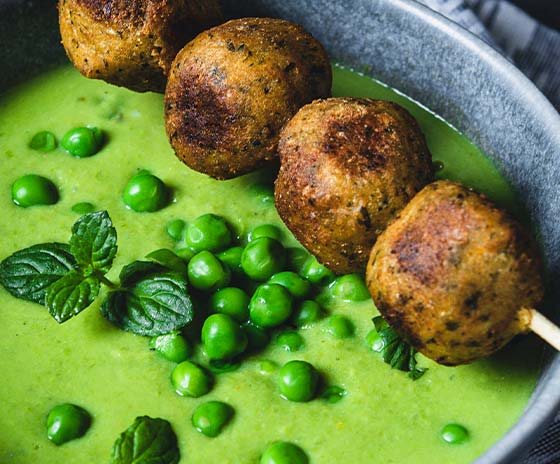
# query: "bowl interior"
{"points": [[433, 61]]}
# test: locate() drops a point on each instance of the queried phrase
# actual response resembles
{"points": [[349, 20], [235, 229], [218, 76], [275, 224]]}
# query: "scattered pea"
{"points": [[172, 346], [270, 305], [206, 272], [267, 367], [43, 141], [83, 207], [297, 257], [333, 394], [262, 258], [264, 193], [298, 287], [175, 229], [220, 366], [282, 452], [232, 257], [438, 165], [340, 326], [374, 341], [185, 254], [208, 233], [290, 340], [211, 417], [307, 314], [350, 287], [231, 301], [188, 379], [34, 190], [82, 142], [145, 193], [67, 422], [454, 434], [257, 338], [297, 381], [222, 337], [265, 230], [315, 272]]}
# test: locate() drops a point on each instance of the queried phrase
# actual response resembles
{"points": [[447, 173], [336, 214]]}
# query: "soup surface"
{"points": [[385, 417]]}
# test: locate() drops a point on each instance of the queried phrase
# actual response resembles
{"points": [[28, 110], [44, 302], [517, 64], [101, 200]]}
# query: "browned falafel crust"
{"points": [[233, 88], [452, 272], [131, 43], [348, 166]]}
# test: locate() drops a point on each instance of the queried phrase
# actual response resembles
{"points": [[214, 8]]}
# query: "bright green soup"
{"points": [[385, 418]]}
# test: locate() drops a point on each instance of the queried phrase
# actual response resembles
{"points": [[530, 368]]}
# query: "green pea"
{"points": [[265, 230], [220, 366], [262, 258], [208, 233], [333, 394], [350, 287], [175, 228], [206, 272], [263, 193], [145, 193], [185, 254], [257, 337], [282, 452], [83, 207], [82, 142], [34, 190], [454, 434], [339, 326], [188, 379], [232, 257], [374, 341], [292, 282], [67, 422], [172, 346], [307, 314], [315, 272], [222, 337], [43, 141], [211, 417], [297, 381], [231, 301], [267, 367], [297, 257], [290, 340], [437, 165], [270, 305]]}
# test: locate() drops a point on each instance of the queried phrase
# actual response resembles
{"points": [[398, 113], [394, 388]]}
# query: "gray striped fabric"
{"points": [[535, 49]]}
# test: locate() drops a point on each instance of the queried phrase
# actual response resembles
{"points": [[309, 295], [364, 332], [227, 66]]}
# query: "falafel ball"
{"points": [[348, 166], [232, 89], [131, 43], [453, 273]]}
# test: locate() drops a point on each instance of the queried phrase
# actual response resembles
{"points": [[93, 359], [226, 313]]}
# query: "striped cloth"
{"points": [[535, 49]]}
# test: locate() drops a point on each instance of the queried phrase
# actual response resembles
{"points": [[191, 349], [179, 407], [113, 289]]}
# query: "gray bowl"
{"points": [[433, 61]]}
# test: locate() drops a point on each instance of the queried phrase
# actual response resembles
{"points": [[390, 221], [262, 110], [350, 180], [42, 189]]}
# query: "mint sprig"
{"points": [[395, 351], [146, 441], [152, 300]]}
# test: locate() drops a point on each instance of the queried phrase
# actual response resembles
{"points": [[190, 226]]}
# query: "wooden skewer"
{"points": [[544, 328]]}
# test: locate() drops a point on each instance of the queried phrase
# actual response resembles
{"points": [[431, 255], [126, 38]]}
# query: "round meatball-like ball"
{"points": [[131, 43], [348, 166], [232, 89], [452, 274]]}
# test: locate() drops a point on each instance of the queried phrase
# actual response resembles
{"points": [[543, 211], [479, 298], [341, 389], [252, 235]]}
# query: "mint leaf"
{"points": [[28, 273], [146, 441], [94, 242], [70, 295], [168, 259], [152, 300], [395, 351]]}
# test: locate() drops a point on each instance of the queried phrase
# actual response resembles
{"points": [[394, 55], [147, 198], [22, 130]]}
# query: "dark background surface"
{"points": [[546, 11]]}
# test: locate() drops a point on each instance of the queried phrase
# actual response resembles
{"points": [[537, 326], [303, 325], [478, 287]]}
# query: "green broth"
{"points": [[384, 418]]}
